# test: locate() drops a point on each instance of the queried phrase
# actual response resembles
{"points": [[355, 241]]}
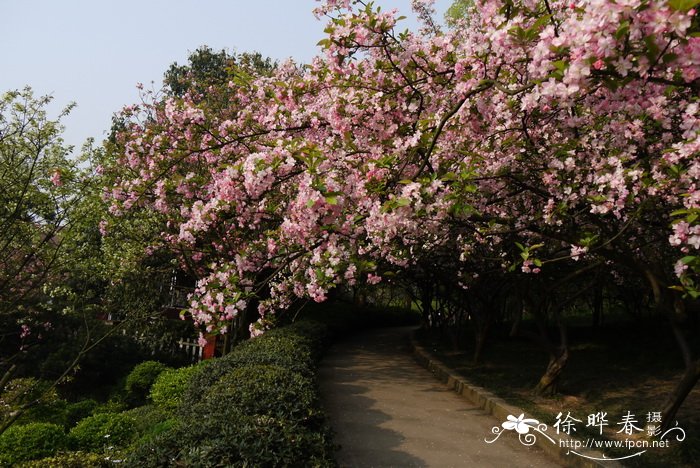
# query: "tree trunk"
{"points": [[426, 301], [7, 376], [597, 307], [679, 394], [558, 359], [517, 320], [549, 382], [479, 342]]}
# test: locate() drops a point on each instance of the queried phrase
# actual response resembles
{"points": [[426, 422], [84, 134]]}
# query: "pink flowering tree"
{"points": [[570, 128]]}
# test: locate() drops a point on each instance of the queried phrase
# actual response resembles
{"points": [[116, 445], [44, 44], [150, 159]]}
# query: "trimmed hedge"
{"points": [[140, 380], [79, 410], [96, 432], [257, 406], [70, 460], [150, 421], [168, 389], [31, 441]]}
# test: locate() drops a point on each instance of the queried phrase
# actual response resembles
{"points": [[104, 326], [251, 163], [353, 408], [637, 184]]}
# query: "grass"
{"points": [[624, 367]]}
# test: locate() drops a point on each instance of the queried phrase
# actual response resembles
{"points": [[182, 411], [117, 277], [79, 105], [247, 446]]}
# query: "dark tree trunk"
{"points": [[517, 319], [558, 359], [426, 301], [692, 369], [678, 395], [597, 307], [479, 342], [549, 382]]}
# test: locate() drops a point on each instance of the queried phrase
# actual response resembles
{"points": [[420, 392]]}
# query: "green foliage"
{"points": [[46, 404], [79, 410], [140, 380], [98, 431], [458, 11], [99, 370], [149, 420], [261, 390], [241, 440], [207, 68], [31, 441], [111, 406], [169, 387], [70, 460], [281, 347], [36, 176], [257, 406]]}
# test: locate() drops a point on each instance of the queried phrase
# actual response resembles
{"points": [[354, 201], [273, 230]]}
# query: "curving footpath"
{"points": [[388, 411]]}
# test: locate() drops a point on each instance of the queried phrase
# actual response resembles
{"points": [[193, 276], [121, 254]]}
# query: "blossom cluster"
{"points": [[543, 119]]}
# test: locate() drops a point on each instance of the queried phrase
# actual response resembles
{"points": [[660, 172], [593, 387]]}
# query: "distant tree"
{"points": [[207, 68], [458, 11], [57, 276], [37, 182]]}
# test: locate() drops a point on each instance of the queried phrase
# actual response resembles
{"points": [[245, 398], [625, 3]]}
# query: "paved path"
{"points": [[388, 411]]}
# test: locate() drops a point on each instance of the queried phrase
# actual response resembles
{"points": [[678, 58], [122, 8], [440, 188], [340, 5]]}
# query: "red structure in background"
{"points": [[209, 348]]}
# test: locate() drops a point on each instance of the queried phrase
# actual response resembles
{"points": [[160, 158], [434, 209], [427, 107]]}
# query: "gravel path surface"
{"points": [[388, 411]]}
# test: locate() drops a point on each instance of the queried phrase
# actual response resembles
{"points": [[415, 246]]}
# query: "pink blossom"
{"points": [[56, 178]]}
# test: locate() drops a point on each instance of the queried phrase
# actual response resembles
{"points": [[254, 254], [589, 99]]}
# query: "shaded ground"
{"points": [[606, 373], [387, 410]]}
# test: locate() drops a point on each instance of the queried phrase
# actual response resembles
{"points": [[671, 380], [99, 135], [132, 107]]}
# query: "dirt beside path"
{"points": [[388, 411]]}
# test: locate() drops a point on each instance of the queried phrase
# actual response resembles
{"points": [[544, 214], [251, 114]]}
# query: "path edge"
{"points": [[499, 408]]}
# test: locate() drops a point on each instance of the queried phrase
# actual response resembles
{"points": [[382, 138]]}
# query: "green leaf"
{"points": [[668, 58], [622, 30], [689, 259], [652, 48], [541, 22], [403, 202], [561, 65], [683, 5], [332, 200]]}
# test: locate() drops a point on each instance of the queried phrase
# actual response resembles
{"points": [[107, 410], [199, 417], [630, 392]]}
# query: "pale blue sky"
{"points": [[94, 52]]}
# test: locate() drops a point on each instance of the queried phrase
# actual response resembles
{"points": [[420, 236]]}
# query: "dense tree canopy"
{"points": [[553, 139]]}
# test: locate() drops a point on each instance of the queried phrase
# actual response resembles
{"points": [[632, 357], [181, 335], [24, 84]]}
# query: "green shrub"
{"points": [[98, 431], [140, 380], [79, 410], [169, 387], [49, 408], [236, 439], [283, 349], [257, 406], [111, 406], [262, 390], [30, 442], [53, 412], [70, 460], [147, 419]]}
